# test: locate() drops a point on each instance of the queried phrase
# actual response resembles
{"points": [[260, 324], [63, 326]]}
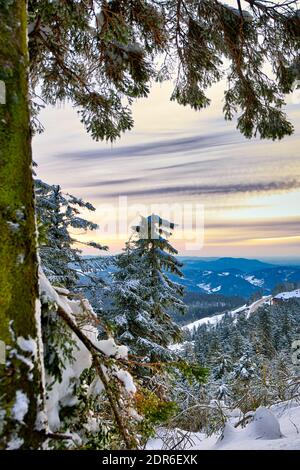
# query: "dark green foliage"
{"points": [[142, 295], [102, 54], [97, 54], [58, 214], [190, 371], [59, 345]]}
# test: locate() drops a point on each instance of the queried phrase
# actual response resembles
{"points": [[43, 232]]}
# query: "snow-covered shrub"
{"points": [[89, 391]]}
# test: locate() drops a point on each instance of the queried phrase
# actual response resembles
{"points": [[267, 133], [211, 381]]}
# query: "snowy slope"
{"points": [[215, 319], [248, 309], [274, 428], [288, 295]]}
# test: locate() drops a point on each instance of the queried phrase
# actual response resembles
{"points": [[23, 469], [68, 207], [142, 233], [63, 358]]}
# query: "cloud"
{"points": [[202, 190], [90, 184], [193, 165], [281, 225], [156, 148]]}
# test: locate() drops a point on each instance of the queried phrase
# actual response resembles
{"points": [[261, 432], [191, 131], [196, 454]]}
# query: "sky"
{"points": [[228, 195]]}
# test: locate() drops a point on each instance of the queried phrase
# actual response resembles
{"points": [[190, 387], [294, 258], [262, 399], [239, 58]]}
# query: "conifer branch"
{"points": [[129, 440]]}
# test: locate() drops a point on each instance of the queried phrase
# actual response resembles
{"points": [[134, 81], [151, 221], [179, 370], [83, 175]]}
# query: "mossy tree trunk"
{"points": [[20, 381]]}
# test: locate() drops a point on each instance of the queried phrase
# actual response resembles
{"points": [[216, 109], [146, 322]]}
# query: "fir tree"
{"points": [[58, 214], [264, 333], [223, 392], [143, 292], [245, 368], [223, 365]]}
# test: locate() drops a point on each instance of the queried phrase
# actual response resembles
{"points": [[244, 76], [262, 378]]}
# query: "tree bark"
{"points": [[21, 393]]}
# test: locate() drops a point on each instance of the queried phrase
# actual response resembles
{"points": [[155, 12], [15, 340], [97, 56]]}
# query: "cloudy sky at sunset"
{"points": [[193, 164]]}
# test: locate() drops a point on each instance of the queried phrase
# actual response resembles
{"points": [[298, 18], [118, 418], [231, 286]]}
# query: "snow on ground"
{"points": [[249, 309], [215, 319], [177, 347], [288, 295], [216, 289], [274, 428], [207, 288], [239, 309], [254, 281]]}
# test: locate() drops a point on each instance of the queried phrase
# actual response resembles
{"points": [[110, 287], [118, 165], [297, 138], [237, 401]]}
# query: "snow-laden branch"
{"points": [[95, 353]]}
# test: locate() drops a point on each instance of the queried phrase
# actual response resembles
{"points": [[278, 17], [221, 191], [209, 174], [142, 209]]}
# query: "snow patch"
{"points": [[216, 289], [27, 345], [288, 295], [96, 387], [15, 443], [264, 425], [212, 321], [178, 347], [127, 380], [215, 319], [207, 288], [274, 428], [110, 348], [20, 407], [254, 281]]}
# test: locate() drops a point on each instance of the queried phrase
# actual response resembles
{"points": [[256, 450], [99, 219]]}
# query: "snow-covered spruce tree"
{"points": [[143, 295], [244, 373], [223, 365], [142, 298], [263, 332], [220, 376], [58, 214]]}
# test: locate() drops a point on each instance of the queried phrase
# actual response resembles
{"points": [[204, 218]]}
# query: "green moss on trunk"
{"points": [[18, 259]]}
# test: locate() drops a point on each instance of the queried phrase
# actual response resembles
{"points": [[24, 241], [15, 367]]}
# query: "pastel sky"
{"points": [[246, 192]]}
